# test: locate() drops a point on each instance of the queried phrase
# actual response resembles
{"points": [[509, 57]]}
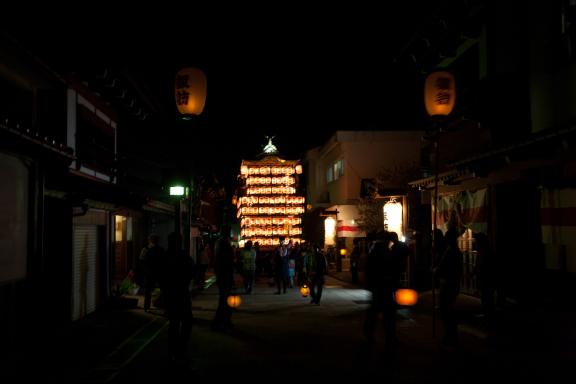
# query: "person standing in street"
{"points": [[318, 270], [151, 258], [448, 273], [248, 266], [383, 274], [224, 269], [177, 275], [354, 261]]}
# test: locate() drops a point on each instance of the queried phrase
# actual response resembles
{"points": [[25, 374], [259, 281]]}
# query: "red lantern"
{"points": [[406, 296], [234, 301], [304, 290]]}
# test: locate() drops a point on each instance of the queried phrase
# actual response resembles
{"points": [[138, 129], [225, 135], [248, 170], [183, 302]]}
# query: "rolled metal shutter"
{"points": [[84, 270]]}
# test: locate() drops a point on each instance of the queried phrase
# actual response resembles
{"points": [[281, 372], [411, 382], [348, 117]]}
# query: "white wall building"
{"points": [[337, 169]]}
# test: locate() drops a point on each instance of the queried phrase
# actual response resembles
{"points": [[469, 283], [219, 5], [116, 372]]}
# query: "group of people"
{"points": [[386, 265], [294, 266], [385, 268], [173, 271]]}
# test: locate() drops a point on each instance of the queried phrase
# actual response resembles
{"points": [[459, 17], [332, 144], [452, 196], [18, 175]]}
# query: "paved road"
{"points": [[284, 337]]}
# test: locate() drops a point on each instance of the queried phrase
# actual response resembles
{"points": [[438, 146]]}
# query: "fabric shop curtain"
{"points": [[465, 209]]}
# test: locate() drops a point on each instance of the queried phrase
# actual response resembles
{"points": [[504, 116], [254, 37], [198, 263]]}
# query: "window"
{"points": [[335, 170], [338, 169], [329, 174]]}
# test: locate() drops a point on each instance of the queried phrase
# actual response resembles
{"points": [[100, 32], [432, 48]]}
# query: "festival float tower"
{"points": [[269, 205]]}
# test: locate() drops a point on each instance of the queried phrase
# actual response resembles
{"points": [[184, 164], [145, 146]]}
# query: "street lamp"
{"points": [[178, 192], [439, 98], [190, 86]]}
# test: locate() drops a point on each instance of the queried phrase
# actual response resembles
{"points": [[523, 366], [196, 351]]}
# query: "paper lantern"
{"points": [[329, 231], [234, 301], [439, 93], [406, 296], [304, 290], [190, 87], [393, 217]]}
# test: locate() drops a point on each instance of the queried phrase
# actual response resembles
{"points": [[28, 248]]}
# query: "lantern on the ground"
{"points": [[190, 88], [439, 93], [406, 296], [234, 301], [304, 290]]}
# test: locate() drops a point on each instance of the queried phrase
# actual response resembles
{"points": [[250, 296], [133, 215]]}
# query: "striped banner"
{"points": [[558, 222], [348, 228]]}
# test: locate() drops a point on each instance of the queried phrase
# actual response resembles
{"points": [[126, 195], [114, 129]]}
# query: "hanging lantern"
{"points": [[343, 252], [234, 301], [329, 231], [190, 87], [439, 93], [406, 296], [393, 217], [304, 290]]}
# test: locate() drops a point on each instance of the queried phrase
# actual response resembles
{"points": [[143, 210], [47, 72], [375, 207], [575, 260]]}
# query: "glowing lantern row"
{"points": [[246, 170], [270, 241], [286, 180], [270, 191], [406, 296], [251, 200], [439, 93], [393, 217], [279, 231], [190, 87], [275, 210], [248, 221]]}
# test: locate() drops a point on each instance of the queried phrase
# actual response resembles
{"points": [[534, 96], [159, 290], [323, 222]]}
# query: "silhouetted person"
{"points": [[151, 259], [383, 272], [486, 276], [448, 274], [224, 269], [318, 270], [281, 267], [248, 255], [204, 260], [178, 272], [354, 261], [401, 253], [438, 246]]}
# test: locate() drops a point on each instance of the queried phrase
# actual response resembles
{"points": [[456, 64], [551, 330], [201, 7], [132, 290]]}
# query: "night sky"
{"points": [[298, 74]]}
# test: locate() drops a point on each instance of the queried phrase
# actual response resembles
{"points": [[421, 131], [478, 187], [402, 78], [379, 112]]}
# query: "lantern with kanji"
{"points": [[234, 301], [439, 93], [190, 88], [406, 296], [393, 217]]}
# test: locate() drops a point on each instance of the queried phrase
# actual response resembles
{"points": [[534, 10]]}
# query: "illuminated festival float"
{"points": [[268, 205]]}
